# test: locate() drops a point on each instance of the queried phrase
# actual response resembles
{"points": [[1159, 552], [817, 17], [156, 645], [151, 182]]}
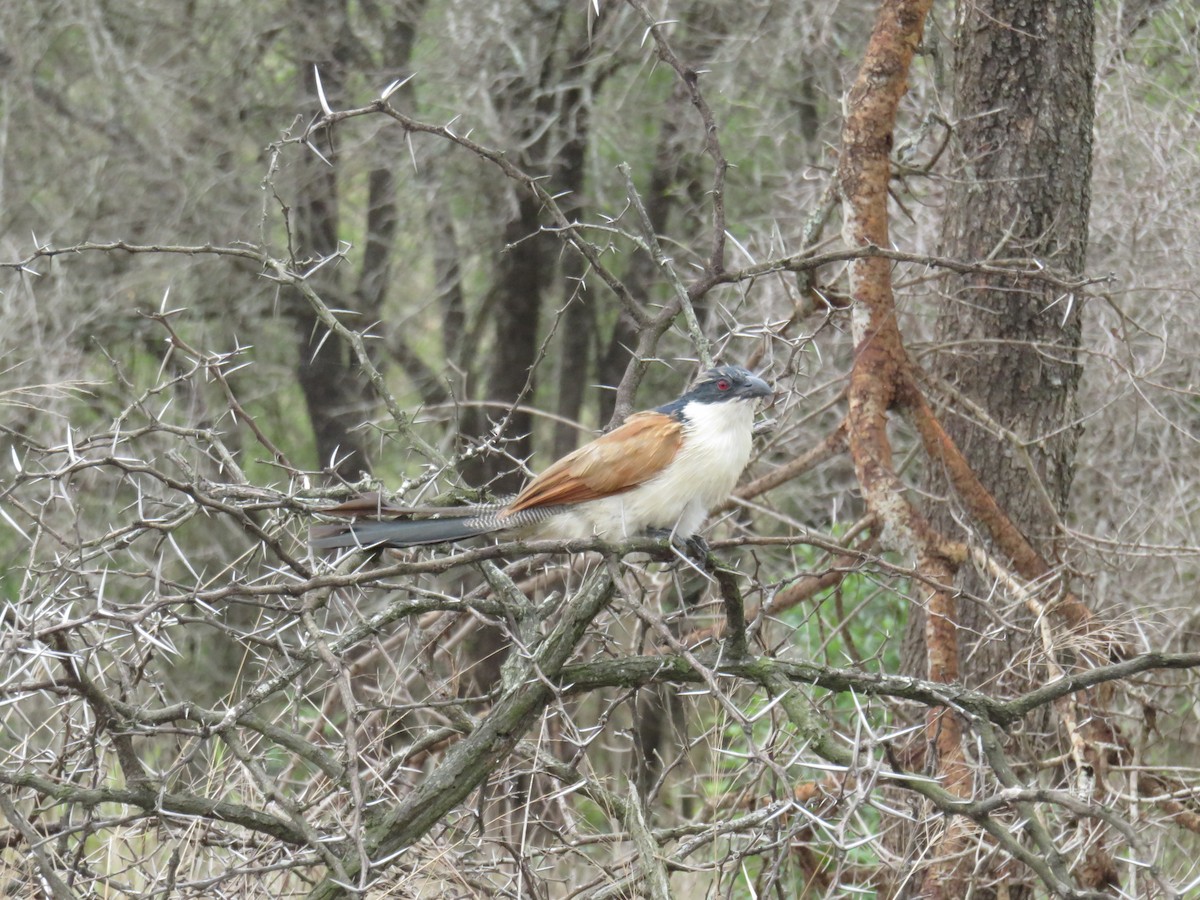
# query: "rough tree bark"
{"points": [[1007, 367], [882, 378], [1024, 109]]}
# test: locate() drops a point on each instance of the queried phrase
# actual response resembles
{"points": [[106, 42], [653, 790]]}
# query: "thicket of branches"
{"points": [[259, 257]]}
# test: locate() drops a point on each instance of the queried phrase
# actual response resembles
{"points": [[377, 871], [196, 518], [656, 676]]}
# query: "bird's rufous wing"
{"points": [[613, 463]]}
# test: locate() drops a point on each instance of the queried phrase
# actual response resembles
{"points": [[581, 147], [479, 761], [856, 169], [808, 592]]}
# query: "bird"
{"points": [[659, 473]]}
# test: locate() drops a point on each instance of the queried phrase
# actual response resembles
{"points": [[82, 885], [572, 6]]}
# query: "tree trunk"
{"points": [[1008, 347], [515, 306], [672, 164], [578, 323], [1024, 107], [337, 397], [325, 367], [526, 269]]}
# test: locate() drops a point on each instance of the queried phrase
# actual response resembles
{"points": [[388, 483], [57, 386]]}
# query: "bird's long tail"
{"points": [[403, 533], [418, 532]]}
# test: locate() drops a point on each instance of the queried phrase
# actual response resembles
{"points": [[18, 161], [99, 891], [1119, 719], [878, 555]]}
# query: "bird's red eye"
{"points": [[722, 385]]}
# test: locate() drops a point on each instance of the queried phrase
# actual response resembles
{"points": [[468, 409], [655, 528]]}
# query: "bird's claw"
{"points": [[694, 547]]}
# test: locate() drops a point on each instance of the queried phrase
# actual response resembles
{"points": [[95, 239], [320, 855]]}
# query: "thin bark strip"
{"points": [[881, 368]]}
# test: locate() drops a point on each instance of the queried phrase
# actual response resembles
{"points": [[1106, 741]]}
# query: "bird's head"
{"points": [[722, 384]]}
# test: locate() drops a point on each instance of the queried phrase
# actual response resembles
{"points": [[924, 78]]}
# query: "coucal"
{"points": [[661, 471]]}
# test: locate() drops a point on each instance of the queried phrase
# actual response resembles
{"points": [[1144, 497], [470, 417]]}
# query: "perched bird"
{"points": [[661, 471]]}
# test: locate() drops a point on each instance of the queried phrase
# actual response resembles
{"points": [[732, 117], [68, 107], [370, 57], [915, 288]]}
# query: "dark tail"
{"points": [[402, 533]]}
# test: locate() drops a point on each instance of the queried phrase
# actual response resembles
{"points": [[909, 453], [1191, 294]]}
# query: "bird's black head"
{"points": [[719, 385]]}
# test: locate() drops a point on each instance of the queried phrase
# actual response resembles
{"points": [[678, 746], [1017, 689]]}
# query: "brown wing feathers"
{"points": [[613, 463]]}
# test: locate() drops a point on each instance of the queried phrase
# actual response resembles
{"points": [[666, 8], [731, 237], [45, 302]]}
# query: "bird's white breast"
{"points": [[714, 451]]}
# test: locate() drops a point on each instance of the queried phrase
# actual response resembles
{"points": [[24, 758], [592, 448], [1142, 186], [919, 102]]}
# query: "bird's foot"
{"points": [[666, 535], [694, 547]]}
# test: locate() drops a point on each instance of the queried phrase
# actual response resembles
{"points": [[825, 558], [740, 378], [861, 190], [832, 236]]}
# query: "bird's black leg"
{"points": [[694, 547], [697, 547], [660, 534]]}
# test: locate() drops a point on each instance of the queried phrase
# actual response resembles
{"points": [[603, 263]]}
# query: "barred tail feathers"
{"points": [[401, 533], [418, 532]]}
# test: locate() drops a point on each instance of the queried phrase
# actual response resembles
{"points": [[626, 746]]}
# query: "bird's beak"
{"points": [[756, 387]]}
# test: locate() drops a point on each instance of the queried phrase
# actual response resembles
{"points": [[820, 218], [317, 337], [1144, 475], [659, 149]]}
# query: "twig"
{"points": [[699, 340]]}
